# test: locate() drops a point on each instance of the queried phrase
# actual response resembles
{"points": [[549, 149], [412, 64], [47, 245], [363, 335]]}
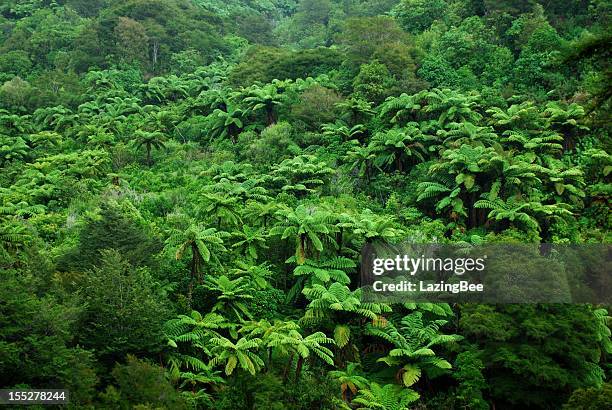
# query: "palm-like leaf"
{"points": [[387, 397], [309, 226]]}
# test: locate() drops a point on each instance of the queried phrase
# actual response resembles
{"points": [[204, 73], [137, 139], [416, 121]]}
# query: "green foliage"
{"points": [[138, 382], [308, 226], [418, 15], [538, 343], [118, 227], [301, 175], [239, 353], [149, 140], [274, 144], [232, 293], [186, 187], [42, 351], [374, 82], [203, 243], [350, 380], [265, 64], [120, 301], [412, 346], [317, 105], [471, 381], [265, 99], [388, 397], [590, 398]]}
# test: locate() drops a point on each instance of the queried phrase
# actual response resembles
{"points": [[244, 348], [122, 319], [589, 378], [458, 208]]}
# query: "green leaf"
{"points": [[342, 335], [411, 375], [469, 181], [231, 365], [441, 363]]}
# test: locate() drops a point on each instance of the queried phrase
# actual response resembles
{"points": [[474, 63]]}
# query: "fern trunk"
{"points": [[149, 160], [288, 367], [298, 367], [270, 117]]}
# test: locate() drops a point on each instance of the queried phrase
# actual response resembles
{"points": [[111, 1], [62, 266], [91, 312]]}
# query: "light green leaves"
{"points": [[342, 335], [410, 375]]}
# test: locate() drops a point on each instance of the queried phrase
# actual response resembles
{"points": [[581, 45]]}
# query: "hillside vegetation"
{"points": [[186, 187]]}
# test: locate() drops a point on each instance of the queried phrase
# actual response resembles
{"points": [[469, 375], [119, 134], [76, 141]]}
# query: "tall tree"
{"points": [[149, 140], [203, 243]]}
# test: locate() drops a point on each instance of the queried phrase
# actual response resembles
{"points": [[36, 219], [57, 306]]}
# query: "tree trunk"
{"points": [[348, 395], [189, 293], [298, 368], [155, 53], [286, 372], [270, 116], [232, 132], [193, 268], [473, 218], [269, 358], [302, 246], [195, 263], [569, 142], [149, 154]]}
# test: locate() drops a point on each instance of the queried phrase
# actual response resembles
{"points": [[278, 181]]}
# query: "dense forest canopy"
{"points": [[186, 187]]}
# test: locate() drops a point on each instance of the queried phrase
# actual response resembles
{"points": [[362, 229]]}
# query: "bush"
{"points": [[143, 384]]}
